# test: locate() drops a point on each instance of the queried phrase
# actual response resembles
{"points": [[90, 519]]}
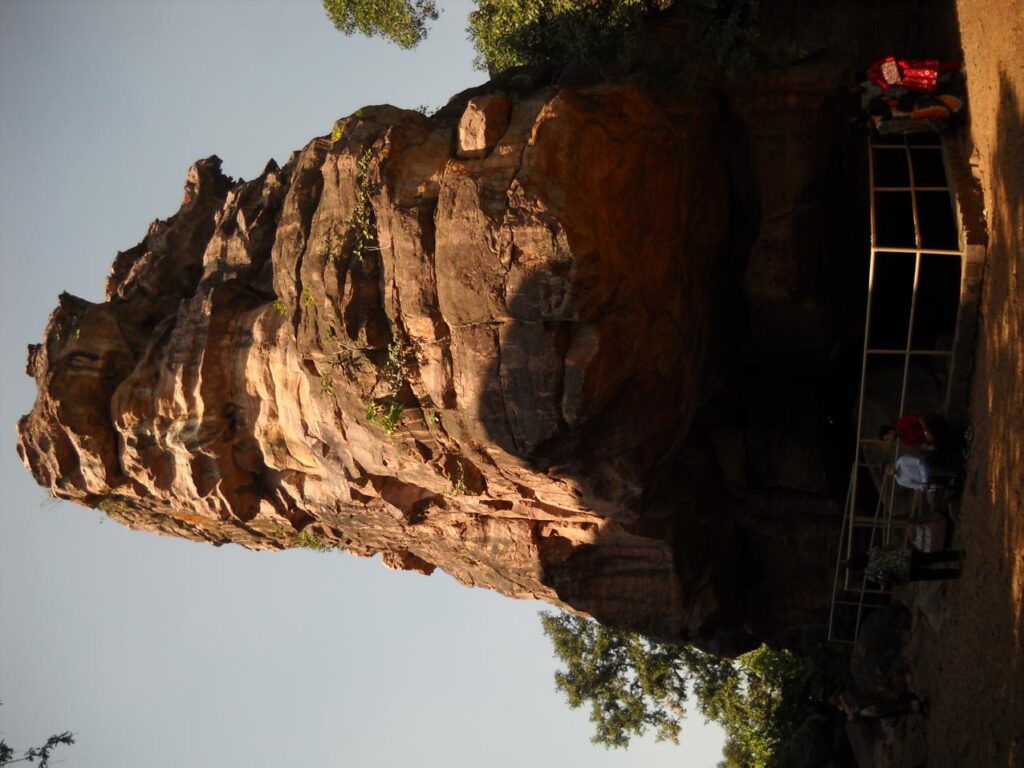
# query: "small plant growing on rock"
{"points": [[395, 370], [309, 540], [280, 307], [332, 246], [326, 385], [343, 355], [386, 412], [279, 530], [385, 415], [307, 297], [113, 506], [457, 478], [360, 224]]}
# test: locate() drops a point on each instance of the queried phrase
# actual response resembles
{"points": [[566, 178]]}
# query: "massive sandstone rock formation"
{"points": [[502, 341]]}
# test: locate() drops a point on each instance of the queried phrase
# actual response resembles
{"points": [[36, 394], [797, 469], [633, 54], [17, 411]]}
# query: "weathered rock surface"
{"points": [[500, 341]]}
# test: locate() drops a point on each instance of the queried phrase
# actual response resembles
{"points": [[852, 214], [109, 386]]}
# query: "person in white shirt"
{"points": [[919, 473]]}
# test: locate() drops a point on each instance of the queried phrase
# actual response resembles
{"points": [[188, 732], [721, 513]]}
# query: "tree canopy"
{"points": [[633, 684], [506, 33], [721, 34], [509, 33], [402, 21]]}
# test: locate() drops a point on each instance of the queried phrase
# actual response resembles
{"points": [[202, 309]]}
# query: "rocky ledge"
{"points": [[509, 341]]}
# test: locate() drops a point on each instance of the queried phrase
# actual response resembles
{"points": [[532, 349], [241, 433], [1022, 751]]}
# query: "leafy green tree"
{"points": [[722, 35], [401, 21], [509, 33], [633, 684], [758, 704]]}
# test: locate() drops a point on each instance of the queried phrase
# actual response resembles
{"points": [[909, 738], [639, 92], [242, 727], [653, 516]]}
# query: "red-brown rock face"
{"points": [[473, 343]]}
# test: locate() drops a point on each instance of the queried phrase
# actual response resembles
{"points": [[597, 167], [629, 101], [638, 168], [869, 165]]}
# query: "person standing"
{"points": [[921, 473]]}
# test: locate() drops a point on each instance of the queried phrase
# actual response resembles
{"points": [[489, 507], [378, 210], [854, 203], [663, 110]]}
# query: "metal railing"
{"points": [[852, 595]]}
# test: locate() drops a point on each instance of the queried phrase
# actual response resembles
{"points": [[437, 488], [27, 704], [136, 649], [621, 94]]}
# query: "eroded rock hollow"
{"points": [[509, 341]]}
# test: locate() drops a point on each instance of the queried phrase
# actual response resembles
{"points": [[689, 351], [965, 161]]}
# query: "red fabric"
{"points": [[911, 429], [917, 75]]}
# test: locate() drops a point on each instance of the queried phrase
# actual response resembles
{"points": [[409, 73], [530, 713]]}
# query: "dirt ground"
{"points": [[972, 667]]}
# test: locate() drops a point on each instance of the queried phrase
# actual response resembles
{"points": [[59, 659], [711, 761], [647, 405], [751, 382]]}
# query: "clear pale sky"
{"points": [[163, 653]]}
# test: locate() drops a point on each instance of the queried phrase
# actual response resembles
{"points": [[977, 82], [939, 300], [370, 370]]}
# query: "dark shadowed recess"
{"points": [[744, 494]]}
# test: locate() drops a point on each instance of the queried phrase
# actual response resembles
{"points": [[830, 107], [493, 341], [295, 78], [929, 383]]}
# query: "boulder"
{"points": [[482, 125]]}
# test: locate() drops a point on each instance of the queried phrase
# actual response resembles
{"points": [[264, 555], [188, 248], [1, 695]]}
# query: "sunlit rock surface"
{"points": [[502, 341]]}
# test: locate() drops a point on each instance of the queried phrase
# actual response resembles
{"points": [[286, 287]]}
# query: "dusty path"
{"points": [[973, 668]]}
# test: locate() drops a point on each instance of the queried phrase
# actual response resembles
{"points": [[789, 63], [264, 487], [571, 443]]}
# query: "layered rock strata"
{"points": [[490, 342]]}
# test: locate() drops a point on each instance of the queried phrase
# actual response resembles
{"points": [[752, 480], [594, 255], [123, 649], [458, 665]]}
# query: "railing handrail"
{"points": [[883, 516]]}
